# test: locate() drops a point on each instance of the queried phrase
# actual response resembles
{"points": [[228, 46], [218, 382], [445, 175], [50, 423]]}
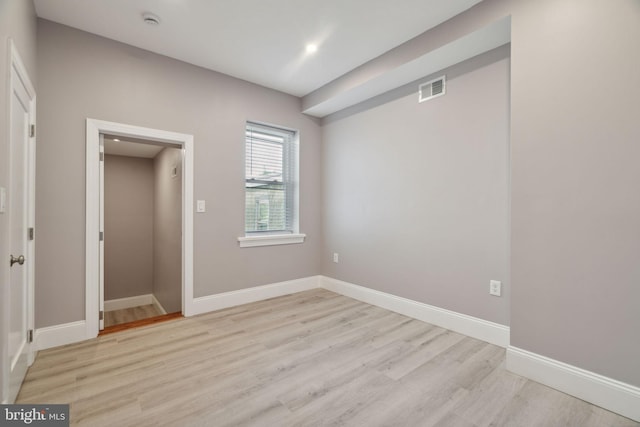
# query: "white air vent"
{"points": [[432, 89]]}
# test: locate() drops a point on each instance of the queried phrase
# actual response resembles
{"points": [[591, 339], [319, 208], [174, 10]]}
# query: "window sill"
{"points": [[271, 240]]}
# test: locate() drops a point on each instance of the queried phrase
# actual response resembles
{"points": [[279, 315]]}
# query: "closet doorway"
{"points": [[142, 231], [137, 271]]}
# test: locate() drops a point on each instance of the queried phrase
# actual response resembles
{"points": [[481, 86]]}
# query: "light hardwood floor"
{"points": [[125, 315], [307, 359]]}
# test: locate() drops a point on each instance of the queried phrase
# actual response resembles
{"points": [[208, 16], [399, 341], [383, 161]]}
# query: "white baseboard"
{"points": [[66, 333], [244, 296], [130, 302], [484, 330], [157, 305], [608, 393], [613, 395]]}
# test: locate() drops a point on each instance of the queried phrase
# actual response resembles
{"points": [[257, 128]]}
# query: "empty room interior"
{"points": [[418, 213]]}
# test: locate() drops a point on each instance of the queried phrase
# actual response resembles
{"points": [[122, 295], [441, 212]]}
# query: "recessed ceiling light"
{"points": [[150, 18], [312, 48], [116, 140]]}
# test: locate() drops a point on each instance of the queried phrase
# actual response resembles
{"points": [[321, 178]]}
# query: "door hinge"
{"points": [[30, 336], [101, 236], [32, 131], [31, 233], [101, 315], [102, 156]]}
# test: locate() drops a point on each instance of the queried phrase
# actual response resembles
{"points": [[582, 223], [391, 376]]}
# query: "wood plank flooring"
{"points": [[307, 359], [126, 315]]}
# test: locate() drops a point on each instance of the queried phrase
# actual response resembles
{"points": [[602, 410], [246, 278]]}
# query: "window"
{"points": [[271, 186]]}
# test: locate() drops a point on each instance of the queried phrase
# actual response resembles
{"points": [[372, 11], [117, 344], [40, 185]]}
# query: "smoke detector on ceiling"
{"points": [[150, 18]]}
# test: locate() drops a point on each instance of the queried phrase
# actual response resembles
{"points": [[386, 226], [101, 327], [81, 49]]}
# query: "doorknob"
{"points": [[19, 260]]}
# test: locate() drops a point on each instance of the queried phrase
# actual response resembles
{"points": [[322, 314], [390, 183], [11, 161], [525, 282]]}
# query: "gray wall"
{"points": [[89, 76], [167, 230], [575, 204], [18, 21], [128, 226], [415, 195], [575, 174]]}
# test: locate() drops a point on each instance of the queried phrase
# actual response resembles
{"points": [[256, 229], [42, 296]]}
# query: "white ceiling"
{"points": [[475, 43], [262, 41]]}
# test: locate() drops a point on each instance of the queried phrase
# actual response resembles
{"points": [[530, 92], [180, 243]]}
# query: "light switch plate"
{"points": [[495, 288], [201, 206], [3, 200]]}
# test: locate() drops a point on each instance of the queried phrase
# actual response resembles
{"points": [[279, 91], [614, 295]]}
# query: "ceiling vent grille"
{"points": [[432, 89]]}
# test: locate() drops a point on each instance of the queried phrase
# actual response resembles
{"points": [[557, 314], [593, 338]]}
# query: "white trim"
{"points": [[136, 301], [613, 395], [157, 304], [244, 296], [101, 211], [187, 225], [270, 240], [54, 336], [129, 302], [94, 128], [484, 330]]}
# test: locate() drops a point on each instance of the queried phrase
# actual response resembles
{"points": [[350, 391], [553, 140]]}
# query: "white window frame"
{"points": [[270, 238]]}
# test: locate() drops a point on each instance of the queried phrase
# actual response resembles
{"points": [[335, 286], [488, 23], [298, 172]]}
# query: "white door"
{"points": [[20, 201]]}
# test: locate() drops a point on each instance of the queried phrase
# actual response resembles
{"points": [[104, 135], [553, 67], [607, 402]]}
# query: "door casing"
{"points": [[93, 211]]}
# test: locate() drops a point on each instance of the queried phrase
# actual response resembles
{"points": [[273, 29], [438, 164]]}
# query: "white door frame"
{"points": [[16, 65], [94, 129], [101, 242]]}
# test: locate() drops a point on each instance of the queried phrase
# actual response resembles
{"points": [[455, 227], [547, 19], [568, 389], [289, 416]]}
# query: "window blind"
{"points": [[270, 162]]}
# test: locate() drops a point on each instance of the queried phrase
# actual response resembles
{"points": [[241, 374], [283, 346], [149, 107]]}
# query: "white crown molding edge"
{"points": [[484, 330], [613, 395]]}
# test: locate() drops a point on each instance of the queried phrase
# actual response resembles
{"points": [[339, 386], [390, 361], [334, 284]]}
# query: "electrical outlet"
{"points": [[495, 287], [336, 257]]}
